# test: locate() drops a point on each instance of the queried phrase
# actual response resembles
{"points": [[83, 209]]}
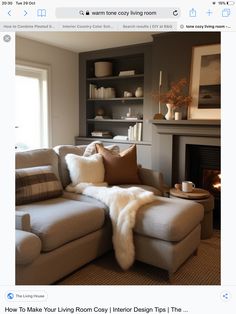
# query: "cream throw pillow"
{"points": [[85, 169]]}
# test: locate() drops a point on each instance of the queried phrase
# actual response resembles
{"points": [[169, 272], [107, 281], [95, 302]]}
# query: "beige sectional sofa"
{"points": [[56, 236]]}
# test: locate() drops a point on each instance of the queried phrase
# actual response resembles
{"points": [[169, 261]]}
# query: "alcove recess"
{"points": [[130, 58]]}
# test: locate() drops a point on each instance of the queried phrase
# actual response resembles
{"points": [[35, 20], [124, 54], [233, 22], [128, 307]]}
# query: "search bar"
{"points": [[117, 13]]}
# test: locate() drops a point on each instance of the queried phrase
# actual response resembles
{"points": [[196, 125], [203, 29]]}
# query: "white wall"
{"points": [[64, 86]]}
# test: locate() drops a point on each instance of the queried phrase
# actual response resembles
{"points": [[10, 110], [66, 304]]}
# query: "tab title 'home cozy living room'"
{"points": [[118, 170]]}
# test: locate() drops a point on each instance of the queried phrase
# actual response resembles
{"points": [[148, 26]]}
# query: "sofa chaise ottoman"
{"points": [[167, 233]]}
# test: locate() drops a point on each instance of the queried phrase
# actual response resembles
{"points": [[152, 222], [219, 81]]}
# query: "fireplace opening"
{"points": [[203, 168], [212, 181]]}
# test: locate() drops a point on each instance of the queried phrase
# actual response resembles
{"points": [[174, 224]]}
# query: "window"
{"points": [[31, 107]]}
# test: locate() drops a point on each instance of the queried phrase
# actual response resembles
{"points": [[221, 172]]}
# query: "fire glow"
{"points": [[218, 184]]}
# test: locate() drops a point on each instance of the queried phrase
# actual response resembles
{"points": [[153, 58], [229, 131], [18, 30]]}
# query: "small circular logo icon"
{"points": [[7, 38], [10, 296]]}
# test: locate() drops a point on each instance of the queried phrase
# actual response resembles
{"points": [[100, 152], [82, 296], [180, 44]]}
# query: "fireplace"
{"points": [[203, 168], [189, 150]]}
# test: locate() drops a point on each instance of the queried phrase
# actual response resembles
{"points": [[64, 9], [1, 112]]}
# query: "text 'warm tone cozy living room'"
{"points": [[118, 158]]}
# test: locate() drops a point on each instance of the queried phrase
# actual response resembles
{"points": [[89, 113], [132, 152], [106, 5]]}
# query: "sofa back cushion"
{"points": [[36, 184], [62, 151], [38, 157], [120, 168], [91, 148]]}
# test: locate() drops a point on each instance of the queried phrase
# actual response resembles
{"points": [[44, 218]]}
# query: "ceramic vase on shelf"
{"points": [[139, 92], [170, 113]]}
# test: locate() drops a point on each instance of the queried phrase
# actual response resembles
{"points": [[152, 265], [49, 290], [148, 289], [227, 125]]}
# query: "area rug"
{"points": [[203, 269]]}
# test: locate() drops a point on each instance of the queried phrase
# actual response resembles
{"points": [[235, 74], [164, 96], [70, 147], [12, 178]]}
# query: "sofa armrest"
{"points": [[22, 220], [152, 178], [28, 247]]}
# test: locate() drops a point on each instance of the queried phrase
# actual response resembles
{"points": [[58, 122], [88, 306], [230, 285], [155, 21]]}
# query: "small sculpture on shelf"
{"points": [[128, 94], [100, 114], [128, 114]]}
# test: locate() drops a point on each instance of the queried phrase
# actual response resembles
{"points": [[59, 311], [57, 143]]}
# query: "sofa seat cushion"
{"points": [[168, 219], [86, 199], [59, 221]]}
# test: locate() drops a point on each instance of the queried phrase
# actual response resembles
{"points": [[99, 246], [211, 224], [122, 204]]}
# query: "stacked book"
{"points": [[135, 132], [104, 134], [127, 73], [101, 92]]}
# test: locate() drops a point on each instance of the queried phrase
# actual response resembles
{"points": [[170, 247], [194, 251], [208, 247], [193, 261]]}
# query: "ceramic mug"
{"points": [[187, 186]]}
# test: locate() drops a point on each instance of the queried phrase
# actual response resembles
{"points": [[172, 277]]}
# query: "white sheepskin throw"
{"points": [[123, 205]]}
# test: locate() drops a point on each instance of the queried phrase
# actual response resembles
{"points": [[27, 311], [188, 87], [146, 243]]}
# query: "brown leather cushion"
{"points": [[120, 168]]}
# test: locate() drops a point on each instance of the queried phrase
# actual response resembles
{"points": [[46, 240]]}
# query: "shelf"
{"points": [[110, 78], [111, 140], [115, 99], [114, 120]]}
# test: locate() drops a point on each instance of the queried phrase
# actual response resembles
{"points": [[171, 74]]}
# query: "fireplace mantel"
{"points": [[188, 127], [170, 138]]}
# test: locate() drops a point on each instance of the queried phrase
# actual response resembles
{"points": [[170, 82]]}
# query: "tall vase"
{"points": [[170, 113]]}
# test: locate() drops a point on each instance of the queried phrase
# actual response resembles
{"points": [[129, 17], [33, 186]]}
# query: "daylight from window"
{"points": [[30, 111]]}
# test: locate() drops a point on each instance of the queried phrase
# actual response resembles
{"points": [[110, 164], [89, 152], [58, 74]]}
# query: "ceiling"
{"points": [[88, 41]]}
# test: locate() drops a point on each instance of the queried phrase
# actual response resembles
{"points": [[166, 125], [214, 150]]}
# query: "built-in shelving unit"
{"points": [[116, 108], [131, 58]]}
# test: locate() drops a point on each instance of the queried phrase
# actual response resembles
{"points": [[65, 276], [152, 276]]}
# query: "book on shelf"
{"points": [[101, 118], [106, 134], [120, 138], [135, 132], [131, 118], [92, 91], [139, 131], [127, 73], [101, 92]]}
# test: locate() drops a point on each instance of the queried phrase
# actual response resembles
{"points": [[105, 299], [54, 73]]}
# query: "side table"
{"points": [[207, 200]]}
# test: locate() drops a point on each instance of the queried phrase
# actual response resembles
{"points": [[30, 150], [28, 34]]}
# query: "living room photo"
{"points": [[118, 158]]}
